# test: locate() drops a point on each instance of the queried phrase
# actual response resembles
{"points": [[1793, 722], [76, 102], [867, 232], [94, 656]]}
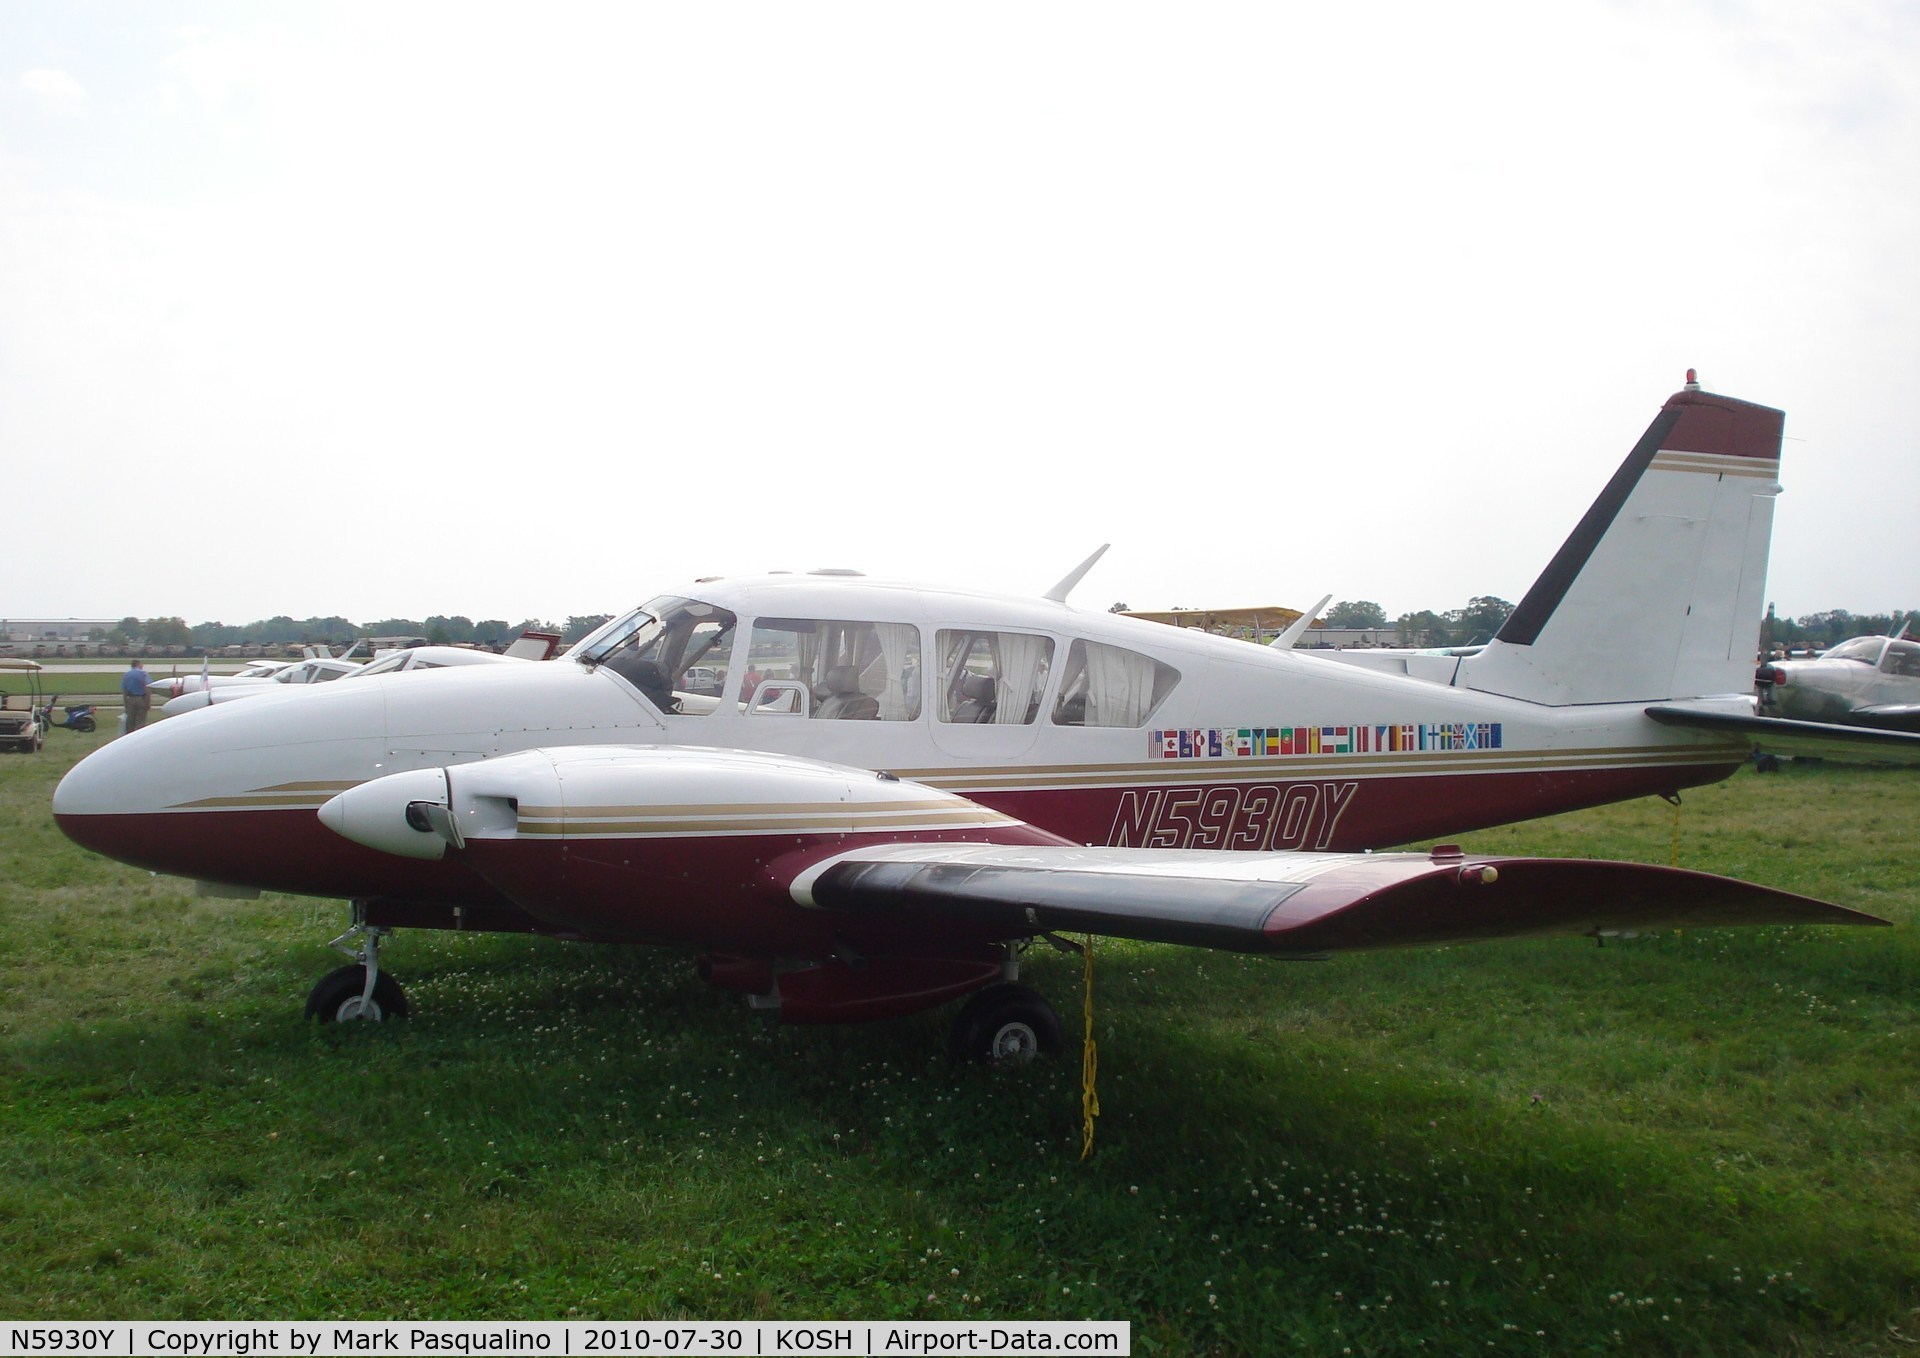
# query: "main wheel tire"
{"points": [[85, 724], [1007, 1025], [336, 999]]}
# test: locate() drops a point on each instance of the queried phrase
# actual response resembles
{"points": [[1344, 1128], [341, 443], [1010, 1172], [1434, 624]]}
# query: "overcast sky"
{"points": [[511, 311]]}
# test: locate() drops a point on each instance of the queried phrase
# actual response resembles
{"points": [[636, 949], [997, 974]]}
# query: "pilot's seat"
{"points": [[976, 699], [844, 700], [652, 681]]}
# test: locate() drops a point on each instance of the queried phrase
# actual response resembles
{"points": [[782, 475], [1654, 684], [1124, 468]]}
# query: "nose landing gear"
{"points": [[362, 990]]}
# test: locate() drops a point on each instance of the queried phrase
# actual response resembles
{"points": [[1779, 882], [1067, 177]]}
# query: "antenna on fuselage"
{"points": [[1297, 628], [1073, 577]]}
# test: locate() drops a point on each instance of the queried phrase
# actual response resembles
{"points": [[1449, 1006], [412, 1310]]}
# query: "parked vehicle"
{"points": [[22, 728], [79, 716]]}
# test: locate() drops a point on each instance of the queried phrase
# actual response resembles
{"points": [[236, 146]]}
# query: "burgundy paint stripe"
{"points": [[1722, 425]]}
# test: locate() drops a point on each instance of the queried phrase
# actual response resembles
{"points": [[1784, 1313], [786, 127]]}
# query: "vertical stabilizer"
{"points": [[1658, 592]]}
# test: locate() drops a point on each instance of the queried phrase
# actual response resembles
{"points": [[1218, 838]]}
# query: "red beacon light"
{"points": [[1693, 380]]}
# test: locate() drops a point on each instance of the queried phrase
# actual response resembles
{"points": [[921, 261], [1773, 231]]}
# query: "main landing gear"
{"points": [[360, 991], [1007, 1025]]}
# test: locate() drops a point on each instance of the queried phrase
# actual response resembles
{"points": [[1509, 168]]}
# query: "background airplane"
{"points": [[897, 788], [1868, 681], [163, 689], [301, 673], [300, 677]]}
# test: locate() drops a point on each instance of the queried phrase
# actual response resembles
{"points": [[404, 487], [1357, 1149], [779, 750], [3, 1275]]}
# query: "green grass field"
{"points": [[1700, 1143]]}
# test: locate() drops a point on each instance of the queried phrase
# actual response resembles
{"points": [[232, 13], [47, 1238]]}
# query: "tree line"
{"points": [[1476, 622], [1484, 614], [439, 630]]}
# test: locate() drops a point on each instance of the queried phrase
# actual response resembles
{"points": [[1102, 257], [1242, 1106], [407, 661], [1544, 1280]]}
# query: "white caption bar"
{"points": [[621, 1339]]}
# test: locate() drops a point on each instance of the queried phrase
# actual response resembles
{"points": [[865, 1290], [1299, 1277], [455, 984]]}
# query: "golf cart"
{"points": [[21, 729]]}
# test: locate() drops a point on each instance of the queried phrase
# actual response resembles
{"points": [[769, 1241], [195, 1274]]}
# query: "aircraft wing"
{"points": [[1283, 903], [1890, 716], [1781, 735], [599, 831]]}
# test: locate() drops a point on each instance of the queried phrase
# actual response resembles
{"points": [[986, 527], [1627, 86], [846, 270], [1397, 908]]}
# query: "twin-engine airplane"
{"points": [[896, 789]]}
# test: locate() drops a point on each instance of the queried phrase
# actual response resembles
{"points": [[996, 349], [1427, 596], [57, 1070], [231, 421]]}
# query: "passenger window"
{"points": [[1903, 658], [1110, 686], [844, 671], [993, 677]]}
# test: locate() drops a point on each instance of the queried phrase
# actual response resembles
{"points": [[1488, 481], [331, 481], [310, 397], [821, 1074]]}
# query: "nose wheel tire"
{"points": [[341, 997], [1007, 1025]]}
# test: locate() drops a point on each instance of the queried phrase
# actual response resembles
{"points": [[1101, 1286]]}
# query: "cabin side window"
{"points": [[1903, 659], [1106, 685], [993, 677], [832, 669], [675, 651]]}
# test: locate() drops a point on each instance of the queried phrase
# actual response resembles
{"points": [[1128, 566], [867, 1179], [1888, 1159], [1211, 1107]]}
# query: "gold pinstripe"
{"points": [[746, 808], [1717, 464], [586, 822], [265, 798], [747, 818], [1189, 771]]}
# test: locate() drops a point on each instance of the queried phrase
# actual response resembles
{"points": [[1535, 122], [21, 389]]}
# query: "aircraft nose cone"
{"points": [[103, 802], [85, 792], [206, 797]]}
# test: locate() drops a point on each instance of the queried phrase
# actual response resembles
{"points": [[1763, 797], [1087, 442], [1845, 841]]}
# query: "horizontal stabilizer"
{"points": [[1811, 739], [1289, 904]]}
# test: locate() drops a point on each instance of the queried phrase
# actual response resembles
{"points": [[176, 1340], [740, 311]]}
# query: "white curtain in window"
{"points": [[1119, 686], [898, 642], [1020, 661], [953, 651], [807, 644]]}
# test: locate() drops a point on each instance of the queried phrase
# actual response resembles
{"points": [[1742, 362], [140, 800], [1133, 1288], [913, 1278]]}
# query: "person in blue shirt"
{"points": [[133, 691]]}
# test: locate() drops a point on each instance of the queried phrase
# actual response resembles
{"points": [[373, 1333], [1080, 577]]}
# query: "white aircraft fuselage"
{"points": [[1252, 748]]}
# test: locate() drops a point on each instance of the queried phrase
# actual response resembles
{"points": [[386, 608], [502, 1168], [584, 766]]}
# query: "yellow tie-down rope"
{"points": [[1674, 858], [1089, 1058]]}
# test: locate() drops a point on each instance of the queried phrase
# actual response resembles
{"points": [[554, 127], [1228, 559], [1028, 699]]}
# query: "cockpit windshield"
{"points": [[674, 650], [1864, 649], [387, 664]]}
